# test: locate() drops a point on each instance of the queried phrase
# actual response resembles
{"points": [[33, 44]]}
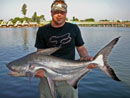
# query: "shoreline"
{"points": [[81, 24]]}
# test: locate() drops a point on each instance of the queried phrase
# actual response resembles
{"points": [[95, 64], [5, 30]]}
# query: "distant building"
{"points": [[3, 24], [10, 24], [25, 24], [18, 24], [33, 24]]}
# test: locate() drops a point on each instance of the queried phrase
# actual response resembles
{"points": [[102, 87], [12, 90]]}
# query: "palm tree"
{"points": [[24, 9], [34, 17]]}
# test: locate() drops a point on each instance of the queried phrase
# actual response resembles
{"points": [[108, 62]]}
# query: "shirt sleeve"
{"points": [[39, 43], [78, 39]]}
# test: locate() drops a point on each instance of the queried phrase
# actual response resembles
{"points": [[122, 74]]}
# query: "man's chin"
{"points": [[60, 22]]}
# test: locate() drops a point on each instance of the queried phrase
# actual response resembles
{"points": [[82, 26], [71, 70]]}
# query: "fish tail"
{"points": [[101, 59]]}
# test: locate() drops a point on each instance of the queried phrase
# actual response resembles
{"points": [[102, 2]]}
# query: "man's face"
{"points": [[58, 17]]}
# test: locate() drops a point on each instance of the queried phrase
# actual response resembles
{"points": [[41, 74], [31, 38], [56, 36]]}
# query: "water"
{"points": [[17, 42]]}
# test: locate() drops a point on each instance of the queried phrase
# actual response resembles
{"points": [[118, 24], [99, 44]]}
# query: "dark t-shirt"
{"points": [[67, 36]]}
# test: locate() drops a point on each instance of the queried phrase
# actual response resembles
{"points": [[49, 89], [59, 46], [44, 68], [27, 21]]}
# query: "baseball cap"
{"points": [[59, 7]]}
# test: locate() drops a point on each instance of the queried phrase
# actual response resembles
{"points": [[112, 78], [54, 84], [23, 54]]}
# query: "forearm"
{"points": [[82, 51]]}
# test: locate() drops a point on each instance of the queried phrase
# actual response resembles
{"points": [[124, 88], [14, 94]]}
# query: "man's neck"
{"points": [[56, 25]]}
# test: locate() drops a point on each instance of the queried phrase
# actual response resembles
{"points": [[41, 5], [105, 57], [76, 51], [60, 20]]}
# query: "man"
{"points": [[66, 35]]}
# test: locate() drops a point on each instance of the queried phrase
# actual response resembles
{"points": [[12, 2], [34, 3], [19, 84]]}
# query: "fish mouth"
{"points": [[16, 74]]}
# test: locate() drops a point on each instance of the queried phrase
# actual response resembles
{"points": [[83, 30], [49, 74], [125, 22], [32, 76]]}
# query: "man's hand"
{"points": [[90, 66], [39, 74]]}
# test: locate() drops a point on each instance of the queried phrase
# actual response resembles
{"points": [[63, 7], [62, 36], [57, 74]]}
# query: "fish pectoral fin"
{"points": [[51, 85]]}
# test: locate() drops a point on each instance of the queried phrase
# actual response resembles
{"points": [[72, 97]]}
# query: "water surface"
{"points": [[17, 42]]}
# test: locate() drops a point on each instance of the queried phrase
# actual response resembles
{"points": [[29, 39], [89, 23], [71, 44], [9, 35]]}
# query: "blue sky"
{"points": [[82, 9]]}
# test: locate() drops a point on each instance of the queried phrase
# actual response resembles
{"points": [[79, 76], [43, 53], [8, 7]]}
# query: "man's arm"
{"points": [[83, 53]]}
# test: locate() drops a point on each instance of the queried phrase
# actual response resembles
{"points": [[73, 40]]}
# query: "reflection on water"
{"points": [[25, 38], [17, 42], [17, 37]]}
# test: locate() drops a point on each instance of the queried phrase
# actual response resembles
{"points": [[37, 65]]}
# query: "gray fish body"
{"points": [[54, 67], [61, 69]]}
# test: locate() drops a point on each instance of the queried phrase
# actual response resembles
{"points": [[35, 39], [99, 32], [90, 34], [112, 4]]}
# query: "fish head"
{"points": [[17, 69]]}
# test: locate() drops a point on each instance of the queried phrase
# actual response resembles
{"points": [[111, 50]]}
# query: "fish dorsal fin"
{"points": [[48, 51]]}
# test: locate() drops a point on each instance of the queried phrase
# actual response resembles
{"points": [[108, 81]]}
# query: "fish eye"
{"points": [[31, 67]]}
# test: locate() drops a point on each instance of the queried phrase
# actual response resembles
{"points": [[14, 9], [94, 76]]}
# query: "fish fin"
{"points": [[107, 49], [101, 59], [110, 72], [51, 85], [48, 51], [74, 82]]}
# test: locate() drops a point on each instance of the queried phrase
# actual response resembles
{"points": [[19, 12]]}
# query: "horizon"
{"points": [[83, 9]]}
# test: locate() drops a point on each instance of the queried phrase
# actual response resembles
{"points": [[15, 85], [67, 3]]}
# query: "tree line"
{"points": [[34, 18], [38, 19]]}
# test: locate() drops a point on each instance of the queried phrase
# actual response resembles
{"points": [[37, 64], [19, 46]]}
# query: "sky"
{"points": [[81, 9]]}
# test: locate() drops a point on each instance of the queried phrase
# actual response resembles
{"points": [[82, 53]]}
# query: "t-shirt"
{"points": [[68, 36]]}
